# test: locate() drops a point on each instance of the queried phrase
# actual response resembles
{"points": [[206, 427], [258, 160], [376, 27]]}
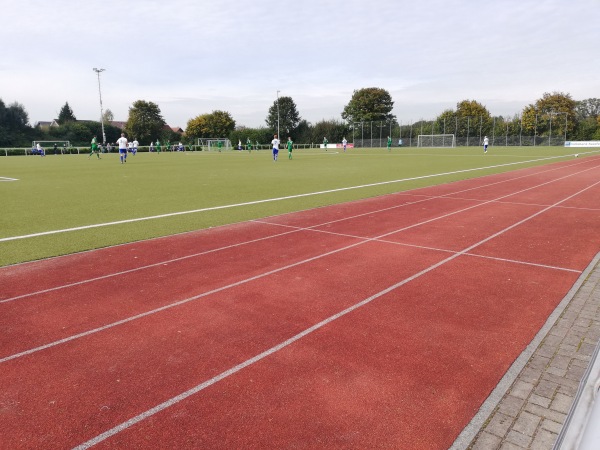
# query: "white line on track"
{"points": [[267, 200], [298, 263], [159, 263], [174, 400], [423, 247]]}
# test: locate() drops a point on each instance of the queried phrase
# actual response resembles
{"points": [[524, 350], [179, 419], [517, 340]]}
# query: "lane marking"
{"points": [[268, 200], [274, 271], [184, 395]]}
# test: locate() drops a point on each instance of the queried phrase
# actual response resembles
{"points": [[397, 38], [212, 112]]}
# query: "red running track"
{"points": [[381, 323]]}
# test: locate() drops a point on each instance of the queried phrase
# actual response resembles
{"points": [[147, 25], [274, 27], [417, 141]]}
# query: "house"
{"points": [[118, 124], [46, 125]]}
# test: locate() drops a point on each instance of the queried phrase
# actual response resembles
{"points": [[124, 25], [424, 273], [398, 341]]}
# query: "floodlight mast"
{"points": [[278, 135], [101, 110]]}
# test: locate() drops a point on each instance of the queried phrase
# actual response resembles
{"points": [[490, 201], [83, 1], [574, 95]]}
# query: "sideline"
{"points": [[268, 200], [8, 179]]}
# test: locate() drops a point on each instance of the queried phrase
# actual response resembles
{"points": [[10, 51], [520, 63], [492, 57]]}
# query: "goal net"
{"points": [[52, 146], [436, 140], [215, 144]]}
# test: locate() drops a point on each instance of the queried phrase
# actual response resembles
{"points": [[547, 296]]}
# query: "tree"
{"points": [[553, 112], [108, 116], [289, 118], [589, 107], [66, 115], [145, 122], [14, 125], [369, 104], [473, 119], [333, 130], [218, 124]]}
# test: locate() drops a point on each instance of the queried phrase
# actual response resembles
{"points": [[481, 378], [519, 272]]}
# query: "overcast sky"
{"points": [[195, 56]]}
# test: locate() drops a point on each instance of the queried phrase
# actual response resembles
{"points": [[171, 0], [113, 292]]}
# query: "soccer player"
{"points": [[219, 145], [135, 146], [275, 144], [486, 142], [249, 145], [344, 143], [389, 144], [290, 145], [325, 141], [94, 147], [157, 146], [122, 141], [151, 149]]}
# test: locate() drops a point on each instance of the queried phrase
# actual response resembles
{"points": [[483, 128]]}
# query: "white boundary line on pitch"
{"points": [[181, 258], [8, 179], [268, 200], [298, 263], [174, 400]]}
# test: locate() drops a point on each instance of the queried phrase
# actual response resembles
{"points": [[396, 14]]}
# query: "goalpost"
{"points": [[436, 140], [214, 144]]}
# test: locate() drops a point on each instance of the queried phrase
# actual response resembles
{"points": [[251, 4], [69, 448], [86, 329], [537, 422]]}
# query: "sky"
{"points": [[192, 57]]}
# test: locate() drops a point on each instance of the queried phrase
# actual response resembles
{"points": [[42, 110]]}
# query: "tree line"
{"points": [[556, 113]]}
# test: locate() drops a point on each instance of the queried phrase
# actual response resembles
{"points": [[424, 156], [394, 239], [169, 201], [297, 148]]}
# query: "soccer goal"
{"points": [[50, 147], [215, 144], [436, 140]]}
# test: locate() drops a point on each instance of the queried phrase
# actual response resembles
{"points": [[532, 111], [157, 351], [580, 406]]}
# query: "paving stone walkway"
{"points": [[531, 413]]}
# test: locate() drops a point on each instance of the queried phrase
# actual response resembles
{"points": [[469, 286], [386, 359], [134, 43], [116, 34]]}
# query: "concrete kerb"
{"points": [[466, 437]]}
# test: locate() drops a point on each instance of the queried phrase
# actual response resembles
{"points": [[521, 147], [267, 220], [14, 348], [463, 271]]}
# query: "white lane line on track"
{"points": [[423, 247], [267, 200], [425, 198], [271, 272], [174, 400]]}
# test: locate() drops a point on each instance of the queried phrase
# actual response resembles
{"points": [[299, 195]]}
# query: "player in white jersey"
{"points": [[275, 144], [122, 141]]}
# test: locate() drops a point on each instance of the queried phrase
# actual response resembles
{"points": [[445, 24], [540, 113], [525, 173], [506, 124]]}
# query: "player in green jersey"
{"points": [[290, 146], [325, 142], [389, 144], [94, 148], [249, 145]]}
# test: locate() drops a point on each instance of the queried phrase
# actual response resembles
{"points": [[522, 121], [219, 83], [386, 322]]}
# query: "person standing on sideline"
{"points": [[325, 141], [275, 144], [290, 147], [122, 141], [344, 143], [94, 148], [486, 142], [389, 144]]}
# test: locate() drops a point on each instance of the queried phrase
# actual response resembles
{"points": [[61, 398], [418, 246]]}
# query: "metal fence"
{"points": [[469, 131]]}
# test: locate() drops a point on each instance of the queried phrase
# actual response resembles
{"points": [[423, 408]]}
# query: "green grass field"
{"points": [[60, 192]]}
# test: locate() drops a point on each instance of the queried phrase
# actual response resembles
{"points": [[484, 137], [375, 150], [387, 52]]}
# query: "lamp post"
{"points": [[278, 135], [101, 111]]}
